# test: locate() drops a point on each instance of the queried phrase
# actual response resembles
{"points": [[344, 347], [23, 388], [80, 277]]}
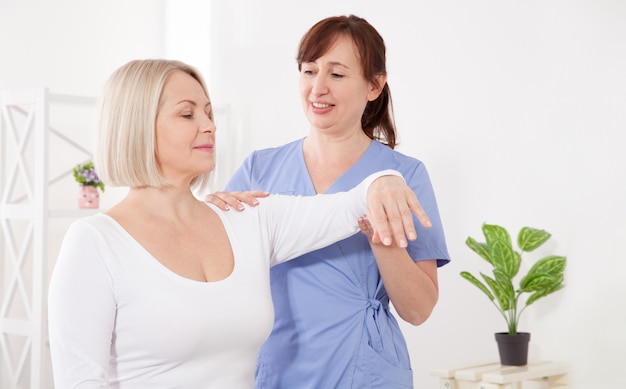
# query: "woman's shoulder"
{"points": [[237, 219], [97, 221], [393, 158], [93, 228]]}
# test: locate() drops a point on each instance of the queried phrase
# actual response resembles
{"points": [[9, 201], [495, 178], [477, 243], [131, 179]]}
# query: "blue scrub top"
{"points": [[333, 327]]}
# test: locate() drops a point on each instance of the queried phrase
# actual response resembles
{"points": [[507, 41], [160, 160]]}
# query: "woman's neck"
{"points": [[328, 158], [167, 202], [335, 149]]}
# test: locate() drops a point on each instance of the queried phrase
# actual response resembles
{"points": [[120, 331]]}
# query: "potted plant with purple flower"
{"points": [[86, 176]]}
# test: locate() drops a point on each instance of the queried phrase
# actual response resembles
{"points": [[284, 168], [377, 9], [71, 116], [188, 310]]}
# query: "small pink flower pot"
{"points": [[88, 197]]}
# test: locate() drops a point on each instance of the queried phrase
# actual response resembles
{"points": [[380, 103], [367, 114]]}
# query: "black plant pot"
{"points": [[513, 349]]}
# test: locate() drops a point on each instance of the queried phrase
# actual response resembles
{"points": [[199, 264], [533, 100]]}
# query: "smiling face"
{"points": [[185, 133], [333, 90]]}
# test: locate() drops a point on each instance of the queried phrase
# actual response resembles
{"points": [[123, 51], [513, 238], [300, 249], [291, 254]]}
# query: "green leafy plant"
{"points": [[543, 278], [85, 174]]}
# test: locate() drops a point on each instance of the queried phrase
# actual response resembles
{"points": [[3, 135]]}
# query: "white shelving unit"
{"points": [[26, 177]]}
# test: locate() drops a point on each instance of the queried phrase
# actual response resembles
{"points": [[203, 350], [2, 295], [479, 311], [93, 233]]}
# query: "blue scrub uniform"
{"points": [[333, 327]]}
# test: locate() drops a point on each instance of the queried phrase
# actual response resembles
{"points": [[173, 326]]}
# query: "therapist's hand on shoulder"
{"points": [[235, 200]]}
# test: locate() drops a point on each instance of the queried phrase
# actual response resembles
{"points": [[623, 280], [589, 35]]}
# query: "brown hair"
{"points": [[377, 120]]}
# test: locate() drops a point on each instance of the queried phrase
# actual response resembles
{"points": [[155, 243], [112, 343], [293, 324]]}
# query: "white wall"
{"points": [[516, 107], [72, 46]]}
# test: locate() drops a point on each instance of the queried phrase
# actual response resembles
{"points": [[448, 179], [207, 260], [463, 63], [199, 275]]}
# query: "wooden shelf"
{"points": [[492, 375]]}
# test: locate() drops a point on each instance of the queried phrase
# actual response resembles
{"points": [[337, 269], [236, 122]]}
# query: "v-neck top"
{"points": [[118, 318], [333, 327]]}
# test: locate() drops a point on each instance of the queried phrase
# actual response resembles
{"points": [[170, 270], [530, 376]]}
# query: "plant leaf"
{"points": [[501, 295], [506, 287], [503, 257], [538, 282], [477, 283], [517, 261], [494, 233], [542, 293], [552, 264], [479, 248], [501, 249], [529, 238]]}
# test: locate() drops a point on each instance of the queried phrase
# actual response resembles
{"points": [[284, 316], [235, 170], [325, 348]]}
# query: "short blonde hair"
{"points": [[126, 149]]}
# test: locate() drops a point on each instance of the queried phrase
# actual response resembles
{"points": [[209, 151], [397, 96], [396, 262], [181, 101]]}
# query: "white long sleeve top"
{"points": [[118, 318]]}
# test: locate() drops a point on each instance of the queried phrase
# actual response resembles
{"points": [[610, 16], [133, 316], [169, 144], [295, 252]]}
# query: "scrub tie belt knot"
{"points": [[376, 321]]}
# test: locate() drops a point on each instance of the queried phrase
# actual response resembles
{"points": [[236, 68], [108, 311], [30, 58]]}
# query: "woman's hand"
{"points": [[390, 205], [228, 200], [366, 228]]}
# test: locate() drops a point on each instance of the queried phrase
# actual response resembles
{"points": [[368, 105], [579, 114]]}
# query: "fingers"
{"points": [[228, 200], [258, 193], [418, 211], [363, 225], [215, 199], [401, 226], [381, 223], [250, 197], [366, 228], [405, 224], [391, 205], [390, 224]]}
